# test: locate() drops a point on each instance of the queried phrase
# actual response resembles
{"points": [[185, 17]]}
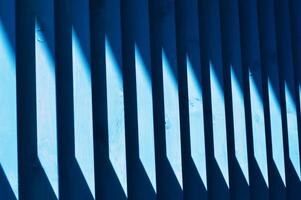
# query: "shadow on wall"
{"points": [[141, 172], [6, 191], [75, 122], [214, 100], [108, 105], [191, 100], [166, 100], [33, 181], [111, 176]]}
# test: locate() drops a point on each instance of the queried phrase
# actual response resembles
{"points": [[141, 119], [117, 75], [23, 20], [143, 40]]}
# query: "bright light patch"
{"points": [[292, 129], [46, 109], [196, 123], [8, 111], [145, 118], [219, 125], [172, 119], [83, 127], [276, 132], [258, 127], [116, 124], [240, 135]]}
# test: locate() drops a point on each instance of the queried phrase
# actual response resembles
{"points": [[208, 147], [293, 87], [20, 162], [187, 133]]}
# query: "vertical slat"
{"points": [[295, 21], [289, 98], [26, 103], [82, 97], [46, 93], [259, 183], [74, 100], [64, 91], [234, 94], [191, 100], [214, 101], [33, 179], [150, 99], [108, 100], [138, 100], [170, 92], [166, 99], [272, 99], [274, 133], [8, 103]]}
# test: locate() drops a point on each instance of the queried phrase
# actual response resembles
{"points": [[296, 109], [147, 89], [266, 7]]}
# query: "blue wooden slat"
{"points": [[8, 104], [234, 94], [83, 125], [115, 97], [46, 93], [166, 100], [259, 182], [74, 101], [144, 91], [138, 100], [145, 117], [116, 116], [216, 136], [170, 90], [108, 100], [294, 6], [33, 182], [272, 97], [184, 99], [289, 98], [191, 100]]}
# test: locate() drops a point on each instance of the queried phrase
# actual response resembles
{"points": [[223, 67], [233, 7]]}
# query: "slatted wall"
{"points": [[150, 99]]}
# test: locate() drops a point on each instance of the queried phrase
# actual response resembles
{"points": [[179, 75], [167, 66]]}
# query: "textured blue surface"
{"points": [[8, 111], [173, 102], [46, 109], [116, 117]]}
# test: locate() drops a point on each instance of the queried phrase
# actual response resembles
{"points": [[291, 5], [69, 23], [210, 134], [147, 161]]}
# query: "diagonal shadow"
{"points": [[295, 24], [251, 69], [8, 166], [72, 182], [271, 97], [135, 43], [7, 12], [188, 47], [234, 100], [6, 191], [33, 182], [212, 77], [162, 38], [103, 27], [289, 98]]}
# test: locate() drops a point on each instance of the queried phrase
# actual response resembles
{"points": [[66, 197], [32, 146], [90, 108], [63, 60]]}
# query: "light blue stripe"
{"points": [[145, 118], [276, 132], [240, 135], [83, 125], [46, 109], [116, 124], [8, 111], [258, 128], [196, 122], [172, 119], [219, 125], [292, 129]]}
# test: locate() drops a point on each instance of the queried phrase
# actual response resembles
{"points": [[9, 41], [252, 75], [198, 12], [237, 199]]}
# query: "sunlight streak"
{"points": [[83, 125], [116, 124]]}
